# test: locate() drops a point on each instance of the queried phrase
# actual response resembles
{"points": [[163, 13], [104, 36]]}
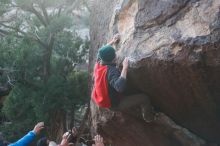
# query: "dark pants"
{"points": [[134, 100], [138, 100]]}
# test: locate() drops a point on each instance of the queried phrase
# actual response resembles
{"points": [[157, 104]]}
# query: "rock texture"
{"points": [[174, 52]]}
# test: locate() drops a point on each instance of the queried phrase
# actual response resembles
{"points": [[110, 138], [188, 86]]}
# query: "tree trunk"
{"points": [[47, 57], [57, 126], [46, 64], [70, 118]]}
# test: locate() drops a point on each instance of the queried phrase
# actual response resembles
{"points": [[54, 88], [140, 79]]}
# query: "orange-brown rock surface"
{"points": [[174, 51]]}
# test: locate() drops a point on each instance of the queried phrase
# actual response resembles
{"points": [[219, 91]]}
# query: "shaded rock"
{"points": [[174, 52], [130, 129]]}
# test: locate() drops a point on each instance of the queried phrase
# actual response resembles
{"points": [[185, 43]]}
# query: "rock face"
{"points": [[174, 52]]}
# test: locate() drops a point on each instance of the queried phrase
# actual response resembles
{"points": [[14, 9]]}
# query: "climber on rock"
{"points": [[110, 83]]}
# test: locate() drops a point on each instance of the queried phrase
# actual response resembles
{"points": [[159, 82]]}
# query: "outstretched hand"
{"points": [[98, 141], [38, 127], [65, 138]]}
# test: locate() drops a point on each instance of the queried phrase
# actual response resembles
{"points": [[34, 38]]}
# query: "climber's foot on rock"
{"points": [[148, 114]]}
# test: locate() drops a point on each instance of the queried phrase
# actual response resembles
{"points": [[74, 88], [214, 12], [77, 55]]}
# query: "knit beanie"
{"points": [[107, 53]]}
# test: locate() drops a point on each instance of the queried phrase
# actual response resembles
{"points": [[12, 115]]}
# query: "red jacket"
{"points": [[100, 91]]}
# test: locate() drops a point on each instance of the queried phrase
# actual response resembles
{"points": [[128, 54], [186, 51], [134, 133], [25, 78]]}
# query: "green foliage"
{"points": [[59, 23], [33, 98], [24, 3], [18, 108]]}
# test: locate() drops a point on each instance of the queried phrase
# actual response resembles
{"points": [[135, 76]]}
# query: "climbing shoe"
{"points": [[148, 113]]}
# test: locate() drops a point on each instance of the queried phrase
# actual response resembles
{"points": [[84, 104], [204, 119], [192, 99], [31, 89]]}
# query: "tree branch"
{"points": [[59, 11], [3, 32], [32, 10], [38, 15], [33, 37], [83, 123], [45, 13], [73, 6], [7, 70], [29, 83]]}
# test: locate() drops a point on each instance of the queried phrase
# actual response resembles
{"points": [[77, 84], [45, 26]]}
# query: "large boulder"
{"points": [[174, 53]]}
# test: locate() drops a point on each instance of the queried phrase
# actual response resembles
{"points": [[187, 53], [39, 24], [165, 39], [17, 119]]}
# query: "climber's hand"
{"points": [[125, 68], [125, 63], [116, 38], [38, 127]]}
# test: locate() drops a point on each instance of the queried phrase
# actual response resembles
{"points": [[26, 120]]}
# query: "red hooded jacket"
{"points": [[100, 91]]}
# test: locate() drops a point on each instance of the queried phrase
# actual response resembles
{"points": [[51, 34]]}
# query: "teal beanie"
{"points": [[107, 53]]}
